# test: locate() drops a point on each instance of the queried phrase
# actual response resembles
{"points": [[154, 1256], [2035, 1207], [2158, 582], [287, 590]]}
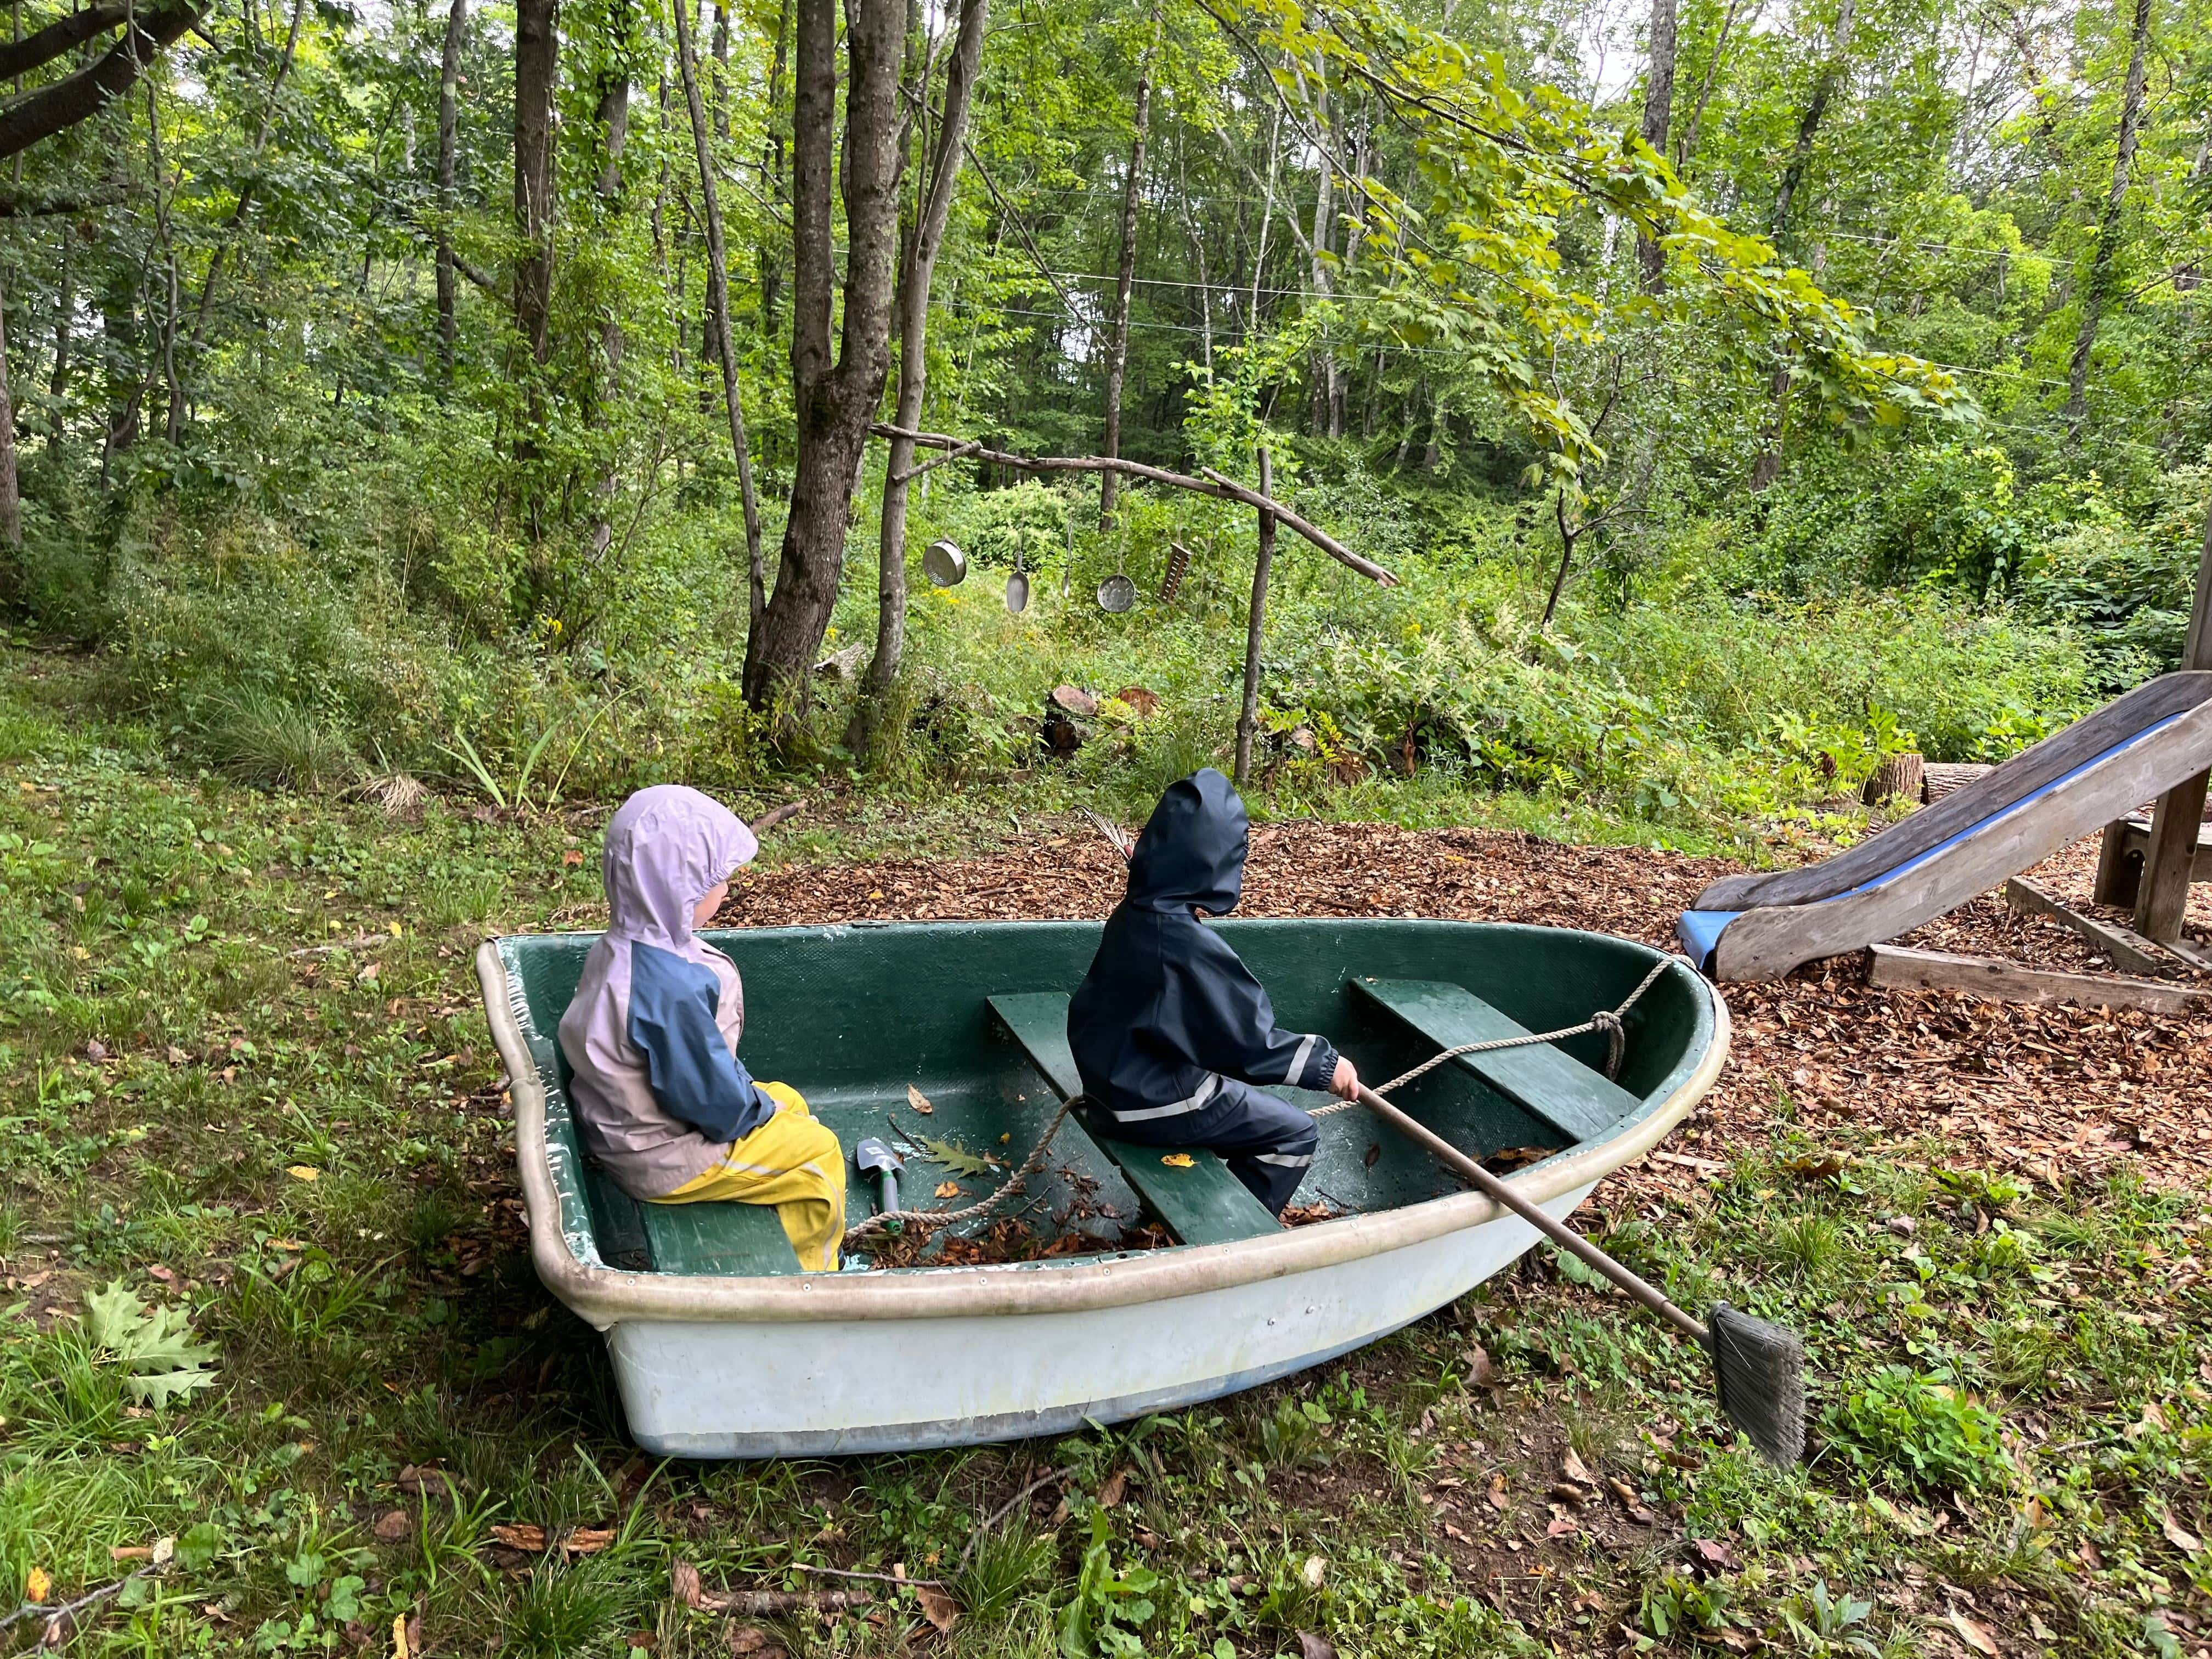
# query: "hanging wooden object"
{"points": [[1178, 567]]}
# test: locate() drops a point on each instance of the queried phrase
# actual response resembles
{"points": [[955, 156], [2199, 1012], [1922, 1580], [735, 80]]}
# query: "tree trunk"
{"points": [[833, 402], [771, 268], [718, 312], [1255, 628], [1658, 117], [537, 77], [1816, 109], [2108, 228], [913, 316], [11, 502], [449, 93], [613, 115], [1117, 347], [1327, 411], [1768, 467]]}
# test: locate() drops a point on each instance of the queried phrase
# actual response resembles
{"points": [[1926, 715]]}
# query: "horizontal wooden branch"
{"points": [[34, 207], [62, 105], [43, 45], [1212, 484]]}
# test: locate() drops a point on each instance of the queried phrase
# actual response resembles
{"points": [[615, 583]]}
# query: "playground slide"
{"points": [[2069, 786]]}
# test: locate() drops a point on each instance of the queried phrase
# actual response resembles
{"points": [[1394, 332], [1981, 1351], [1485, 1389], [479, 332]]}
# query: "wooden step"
{"points": [[1542, 1080], [1203, 1204]]}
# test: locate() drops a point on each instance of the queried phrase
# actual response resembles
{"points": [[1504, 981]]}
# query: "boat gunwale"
{"points": [[606, 1296]]}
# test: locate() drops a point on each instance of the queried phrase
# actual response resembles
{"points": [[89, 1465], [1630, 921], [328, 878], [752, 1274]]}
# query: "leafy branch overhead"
{"points": [[1472, 260]]}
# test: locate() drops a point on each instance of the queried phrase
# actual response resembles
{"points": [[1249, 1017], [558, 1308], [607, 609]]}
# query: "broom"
{"points": [[1760, 1368]]}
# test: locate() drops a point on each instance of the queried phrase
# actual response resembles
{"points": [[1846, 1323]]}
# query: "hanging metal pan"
{"points": [[1018, 588], [944, 564], [1116, 593]]}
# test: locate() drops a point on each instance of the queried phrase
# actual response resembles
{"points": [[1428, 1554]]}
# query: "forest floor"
{"points": [[246, 1079]]}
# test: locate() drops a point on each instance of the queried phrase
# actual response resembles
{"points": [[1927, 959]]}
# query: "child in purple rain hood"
{"points": [[1171, 1030], [661, 1098]]}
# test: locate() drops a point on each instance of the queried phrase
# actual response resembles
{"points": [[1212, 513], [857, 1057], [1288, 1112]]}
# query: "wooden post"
{"points": [[2168, 862], [1255, 624]]}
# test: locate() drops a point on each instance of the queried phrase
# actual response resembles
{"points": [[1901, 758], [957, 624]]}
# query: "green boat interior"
{"points": [[973, 1018]]}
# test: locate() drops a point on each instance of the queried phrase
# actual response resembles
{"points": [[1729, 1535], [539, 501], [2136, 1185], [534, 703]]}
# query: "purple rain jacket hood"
{"points": [[651, 1033]]}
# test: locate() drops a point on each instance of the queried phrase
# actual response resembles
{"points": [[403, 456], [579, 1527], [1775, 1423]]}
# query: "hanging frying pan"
{"points": [[944, 564], [1117, 592]]}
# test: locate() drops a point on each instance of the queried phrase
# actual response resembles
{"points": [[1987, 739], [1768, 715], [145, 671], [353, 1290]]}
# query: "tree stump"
{"points": [[1897, 774]]}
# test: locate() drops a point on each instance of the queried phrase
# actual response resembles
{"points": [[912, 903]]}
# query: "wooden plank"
{"points": [[2195, 955], [2119, 867], [2021, 776], [1542, 1080], [1203, 1204], [744, 1240], [1901, 969], [2129, 950]]}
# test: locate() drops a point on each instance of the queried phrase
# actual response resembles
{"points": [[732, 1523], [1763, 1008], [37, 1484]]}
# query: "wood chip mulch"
{"points": [[2051, 1093]]}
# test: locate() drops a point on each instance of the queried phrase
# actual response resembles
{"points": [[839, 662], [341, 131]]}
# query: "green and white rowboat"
{"points": [[723, 1347]]}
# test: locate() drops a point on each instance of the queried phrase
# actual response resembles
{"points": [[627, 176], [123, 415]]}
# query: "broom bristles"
{"points": [[1761, 1371]]}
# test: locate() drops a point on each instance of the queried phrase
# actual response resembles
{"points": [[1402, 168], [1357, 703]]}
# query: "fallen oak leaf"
{"points": [[937, 1607], [1974, 1634]]}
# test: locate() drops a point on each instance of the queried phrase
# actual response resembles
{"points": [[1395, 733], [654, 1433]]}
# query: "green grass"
{"points": [[291, 1132]]}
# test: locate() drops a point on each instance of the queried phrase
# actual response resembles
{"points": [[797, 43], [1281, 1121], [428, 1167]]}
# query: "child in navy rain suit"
{"points": [[1171, 1030]]}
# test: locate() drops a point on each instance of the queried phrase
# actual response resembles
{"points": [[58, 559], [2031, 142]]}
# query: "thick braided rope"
{"points": [[930, 1220], [1606, 1020]]}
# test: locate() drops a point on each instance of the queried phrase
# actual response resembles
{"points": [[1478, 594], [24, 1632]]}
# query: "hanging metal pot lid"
{"points": [[945, 565], [1116, 593], [1017, 586]]}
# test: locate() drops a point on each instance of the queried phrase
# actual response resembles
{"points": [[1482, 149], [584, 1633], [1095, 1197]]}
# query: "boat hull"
{"points": [[825, 1389], [796, 1364]]}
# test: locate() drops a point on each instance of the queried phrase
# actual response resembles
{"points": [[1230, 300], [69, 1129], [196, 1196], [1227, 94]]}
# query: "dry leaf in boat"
{"points": [[586, 1540], [919, 1101], [2178, 1535], [530, 1540], [392, 1525], [1576, 1470], [948, 1189], [1116, 1484], [1496, 1495], [936, 1605], [683, 1584], [1373, 1153], [1315, 1647], [1180, 1161], [1975, 1634]]}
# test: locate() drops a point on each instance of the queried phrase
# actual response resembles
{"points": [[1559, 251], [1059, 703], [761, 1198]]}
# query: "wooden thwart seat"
{"points": [[1542, 1080], [1203, 1204], [743, 1241]]}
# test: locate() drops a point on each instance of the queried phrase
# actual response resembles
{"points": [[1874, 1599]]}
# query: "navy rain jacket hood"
{"points": [[1168, 1021]]}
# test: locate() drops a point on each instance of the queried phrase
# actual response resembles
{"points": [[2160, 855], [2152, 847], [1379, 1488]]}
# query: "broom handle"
{"points": [[1561, 1234]]}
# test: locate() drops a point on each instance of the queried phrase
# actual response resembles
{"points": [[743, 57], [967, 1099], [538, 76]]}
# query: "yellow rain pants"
{"points": [[793, 1162]]}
